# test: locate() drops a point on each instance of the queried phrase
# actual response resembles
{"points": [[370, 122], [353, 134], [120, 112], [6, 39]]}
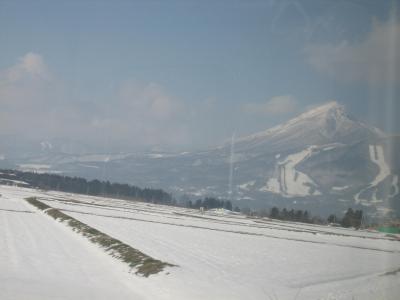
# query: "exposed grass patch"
{"points": [[144, 264], [17, 211], [37, 204], [394, 272]]}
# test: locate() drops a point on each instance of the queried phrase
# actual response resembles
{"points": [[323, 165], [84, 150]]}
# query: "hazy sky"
{"points": [[187, 74]]}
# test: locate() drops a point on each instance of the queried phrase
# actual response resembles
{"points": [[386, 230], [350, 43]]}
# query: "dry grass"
{"points": [[144, 264]]}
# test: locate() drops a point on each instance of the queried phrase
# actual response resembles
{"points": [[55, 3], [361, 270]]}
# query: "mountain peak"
{"points": [[324, 124], [333, 104], [315, 117], [324, 109]]}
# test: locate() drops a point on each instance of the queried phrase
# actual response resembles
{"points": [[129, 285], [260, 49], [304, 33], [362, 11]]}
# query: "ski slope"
{"points": [[219, 256], [377, 156], [289, 181]]}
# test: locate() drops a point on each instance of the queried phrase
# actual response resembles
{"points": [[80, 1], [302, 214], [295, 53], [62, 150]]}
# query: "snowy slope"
{"points": [[325, 124], [377, 156], [40, 259], [289, 181], [220, 256]]}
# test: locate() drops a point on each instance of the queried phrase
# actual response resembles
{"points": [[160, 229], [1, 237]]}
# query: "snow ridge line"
{"points": [[144, 264]]}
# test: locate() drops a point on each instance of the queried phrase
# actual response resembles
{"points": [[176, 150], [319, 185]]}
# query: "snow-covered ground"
{"points": [[41, 259], [219, 255]]}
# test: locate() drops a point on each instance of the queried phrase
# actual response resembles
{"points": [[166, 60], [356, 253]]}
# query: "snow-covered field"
{"points": [[219, 255]]}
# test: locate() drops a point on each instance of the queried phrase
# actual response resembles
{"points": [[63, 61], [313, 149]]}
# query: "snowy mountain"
{"points": [[324, 159], [322, 125]]}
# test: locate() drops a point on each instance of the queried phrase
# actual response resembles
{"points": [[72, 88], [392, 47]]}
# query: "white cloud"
{"points": [[30, 66], [149, 100], [144, 113], [278, 105], [33, 64], [374, 59], [34, 103], [28, 83]]}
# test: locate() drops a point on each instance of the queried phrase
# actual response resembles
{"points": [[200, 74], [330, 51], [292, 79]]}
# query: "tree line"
{"points": [[96, 187], [352, 218], [290, 215], [89, 187], [210, 203]]}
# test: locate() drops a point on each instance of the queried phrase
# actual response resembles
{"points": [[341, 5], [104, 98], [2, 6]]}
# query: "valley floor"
{"points": [[218, 255]]}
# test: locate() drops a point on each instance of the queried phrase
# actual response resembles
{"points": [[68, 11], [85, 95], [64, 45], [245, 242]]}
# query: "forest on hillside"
{"points": [[88, 187]]}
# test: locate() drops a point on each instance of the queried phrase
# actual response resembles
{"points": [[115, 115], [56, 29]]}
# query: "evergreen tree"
{"points": [[347, 219], [299, 215], [352, 218], [274, 214], [306, 217], [284, 214], [228, 205], [332, 218]]}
